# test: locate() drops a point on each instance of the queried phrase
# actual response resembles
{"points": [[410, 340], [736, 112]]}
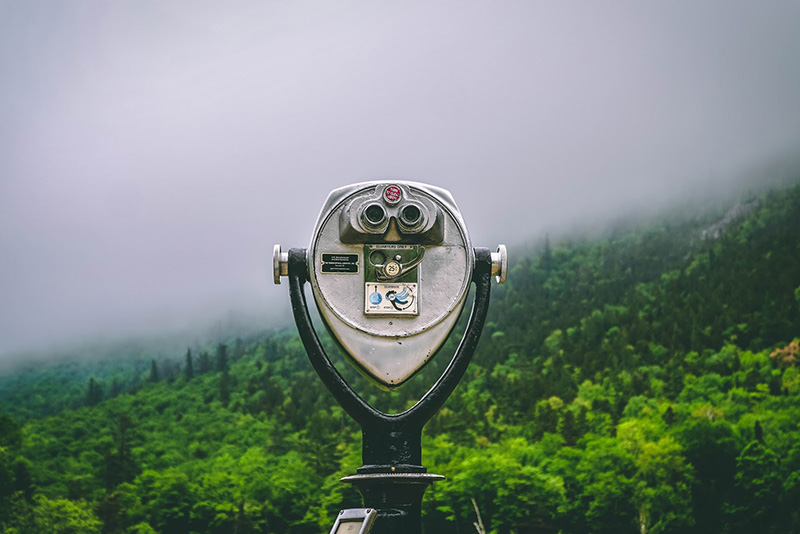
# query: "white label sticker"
{"points": [[390, 299]]}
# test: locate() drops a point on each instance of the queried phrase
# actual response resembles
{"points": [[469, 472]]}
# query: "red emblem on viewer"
{"points": [[392, 194]]}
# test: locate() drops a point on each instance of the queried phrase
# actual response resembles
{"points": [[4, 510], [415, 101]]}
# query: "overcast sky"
{"points": [[151, 153]]}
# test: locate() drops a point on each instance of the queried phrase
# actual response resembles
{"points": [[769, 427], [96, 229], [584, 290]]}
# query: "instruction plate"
{"points": [[391, 298]]}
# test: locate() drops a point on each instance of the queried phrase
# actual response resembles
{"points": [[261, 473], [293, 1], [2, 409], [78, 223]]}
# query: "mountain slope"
{"points": [[647, 381]]}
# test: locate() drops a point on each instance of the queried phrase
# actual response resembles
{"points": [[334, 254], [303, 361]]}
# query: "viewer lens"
{"points": [[374, 214], [411, 215]]}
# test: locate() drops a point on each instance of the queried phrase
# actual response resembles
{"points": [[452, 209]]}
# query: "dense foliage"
{"points": [[643, 382]]}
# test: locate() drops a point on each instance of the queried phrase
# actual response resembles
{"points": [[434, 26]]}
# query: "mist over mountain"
{"points": [[151, 153], [167, 330]]}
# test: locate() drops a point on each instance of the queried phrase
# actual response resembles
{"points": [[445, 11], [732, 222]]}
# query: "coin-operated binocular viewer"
{"points": [[390, 265]]}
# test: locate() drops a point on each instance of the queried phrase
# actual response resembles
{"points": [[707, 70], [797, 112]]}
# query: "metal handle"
{"points": [[500, 264], [280, 264]]}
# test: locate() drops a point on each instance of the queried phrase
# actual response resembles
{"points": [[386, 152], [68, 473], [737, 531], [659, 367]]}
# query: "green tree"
{"points": [[663, 480], [758, 491], [23, 480], [604, 499], [711, 447], [511, 493], [57, 516], [120, 465], [6, 485], [9, 431], [168, 497]]}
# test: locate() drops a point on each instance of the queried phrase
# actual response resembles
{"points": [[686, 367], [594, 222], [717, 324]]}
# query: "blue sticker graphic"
{"points": [[402, 297], [375, 298]]}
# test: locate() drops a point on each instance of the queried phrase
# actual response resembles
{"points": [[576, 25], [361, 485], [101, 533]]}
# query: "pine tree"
{"points": [[23, 481], [547, 255], [95, 393], [153, 371], [238, 349], [545, 418], [225, 387], [222, 357], [189, 365], [669, 416], [120, 464], [116, 387], [569, 428], [203, 363]]}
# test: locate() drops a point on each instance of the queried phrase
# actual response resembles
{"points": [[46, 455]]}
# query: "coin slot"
{"points": [[377, 257]]}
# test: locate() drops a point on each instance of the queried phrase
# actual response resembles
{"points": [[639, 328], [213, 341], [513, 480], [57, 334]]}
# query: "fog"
{"points": [[151, 153]]}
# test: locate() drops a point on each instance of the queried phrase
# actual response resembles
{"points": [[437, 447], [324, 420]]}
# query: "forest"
{"points": [[644, 380]]}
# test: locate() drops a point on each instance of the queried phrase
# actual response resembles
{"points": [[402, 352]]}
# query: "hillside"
{"points": [[646, 381]]}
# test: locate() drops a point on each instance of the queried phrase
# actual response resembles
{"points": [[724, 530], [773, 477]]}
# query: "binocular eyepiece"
{"points": [[395, 213], [410, 217]]}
